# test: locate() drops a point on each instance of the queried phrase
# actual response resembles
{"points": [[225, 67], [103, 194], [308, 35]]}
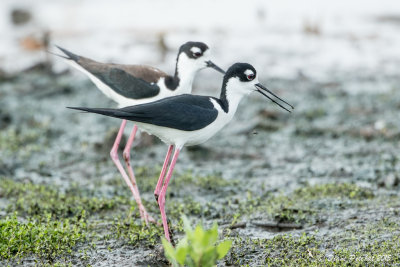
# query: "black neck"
{"points": [[172, 82], [222, 98]]}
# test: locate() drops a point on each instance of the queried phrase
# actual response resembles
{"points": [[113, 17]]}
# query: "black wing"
{"points": [[183, 112], [131, 81], [125, 84]]}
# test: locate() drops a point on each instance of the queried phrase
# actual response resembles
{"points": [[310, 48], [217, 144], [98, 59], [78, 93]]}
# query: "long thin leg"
{"points": [[132, 186], [162, 174], [127, 156], [161, 199]]}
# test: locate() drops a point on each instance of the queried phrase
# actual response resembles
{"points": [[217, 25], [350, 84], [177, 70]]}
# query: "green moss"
{"points": [[32, 199], [307, 204], [135, 233], [311, 250], [47, 206], [187, 206], [337, 190], [209, 182], [69, 217], [147, 179], [24, 142], [282, 250], [47, 240], [304, 205]]}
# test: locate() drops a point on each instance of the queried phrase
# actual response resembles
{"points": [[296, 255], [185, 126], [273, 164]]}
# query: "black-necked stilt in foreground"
{"points": [[138, 84], [190, 119]]}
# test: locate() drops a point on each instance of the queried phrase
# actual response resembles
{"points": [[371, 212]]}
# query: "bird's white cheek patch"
{"points": [[248, 72], [195, 50]]}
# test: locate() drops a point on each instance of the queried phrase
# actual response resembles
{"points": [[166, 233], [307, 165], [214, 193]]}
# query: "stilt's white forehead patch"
{"points": [[195, 49], [248, 72]]}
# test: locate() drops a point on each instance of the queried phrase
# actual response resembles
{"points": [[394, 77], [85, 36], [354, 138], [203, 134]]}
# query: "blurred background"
{"points": [[280, 37], [337, 62]]}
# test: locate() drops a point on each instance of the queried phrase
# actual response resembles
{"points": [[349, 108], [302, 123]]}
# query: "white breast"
{"points": [[189, 138]]}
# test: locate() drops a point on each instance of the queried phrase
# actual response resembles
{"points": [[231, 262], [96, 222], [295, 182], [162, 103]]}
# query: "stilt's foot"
{"points": [[146, 217], [151, 219], [171, 233]]}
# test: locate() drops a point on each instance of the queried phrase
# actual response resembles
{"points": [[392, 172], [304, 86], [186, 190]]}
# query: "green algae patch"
{"points": [[307, 204], [281, 250], [47, 240], [186, 206], [337, 190], [180, 181], [208, 182], [33, 199], [311, 250], [135, 233]]}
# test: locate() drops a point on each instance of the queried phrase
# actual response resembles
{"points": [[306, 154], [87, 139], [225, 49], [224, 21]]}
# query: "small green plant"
{"points": [[197, 248], [47, 240]]}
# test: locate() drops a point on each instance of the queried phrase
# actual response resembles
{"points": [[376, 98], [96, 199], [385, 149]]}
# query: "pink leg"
{"points": [[115, 158], [127, 156], [161, 199], [162, 174]]}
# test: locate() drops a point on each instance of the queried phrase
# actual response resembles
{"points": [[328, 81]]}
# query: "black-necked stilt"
{"points": [[138, 84], [190, 119]]}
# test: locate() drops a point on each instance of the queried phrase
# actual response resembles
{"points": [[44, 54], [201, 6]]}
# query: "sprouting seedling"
{"points": [[198, 248]]}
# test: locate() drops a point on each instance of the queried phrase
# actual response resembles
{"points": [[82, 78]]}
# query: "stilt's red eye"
{"points": [[197, 54], [250, 77]]}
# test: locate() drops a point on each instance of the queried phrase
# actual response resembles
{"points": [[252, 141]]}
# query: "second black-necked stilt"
{"points": [[138, 84], [190, 119]]}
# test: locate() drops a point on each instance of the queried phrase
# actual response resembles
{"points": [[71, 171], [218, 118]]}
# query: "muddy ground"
{"points": [[327, 175]]}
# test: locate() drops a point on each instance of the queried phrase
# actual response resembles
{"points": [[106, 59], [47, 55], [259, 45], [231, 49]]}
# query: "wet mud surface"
{"points": [[318, 185]]}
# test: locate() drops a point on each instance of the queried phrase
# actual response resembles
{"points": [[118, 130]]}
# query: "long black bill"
{"points": [[262, 87], [211, 64]]}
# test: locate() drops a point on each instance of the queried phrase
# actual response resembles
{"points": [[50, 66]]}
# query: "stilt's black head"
{"points": [[193, 49], [243, 71], [241, 79], [194, 56]]}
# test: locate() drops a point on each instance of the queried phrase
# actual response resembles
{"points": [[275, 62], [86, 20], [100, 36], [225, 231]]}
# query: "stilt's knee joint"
{"points": [[114, 155], [161, 200], [126, 155]]}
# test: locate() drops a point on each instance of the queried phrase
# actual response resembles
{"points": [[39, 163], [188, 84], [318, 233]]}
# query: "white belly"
{"points": [[187, 138]]}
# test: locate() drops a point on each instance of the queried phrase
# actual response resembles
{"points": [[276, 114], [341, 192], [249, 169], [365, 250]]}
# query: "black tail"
{"points": [[70, 55], [116, 113], [58, 55]]}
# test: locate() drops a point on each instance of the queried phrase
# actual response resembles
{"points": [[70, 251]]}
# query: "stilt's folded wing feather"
{"points": [[184, 112], [126, 84], [131, 81]]}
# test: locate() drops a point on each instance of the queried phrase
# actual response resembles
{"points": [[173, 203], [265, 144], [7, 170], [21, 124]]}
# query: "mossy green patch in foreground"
{"points": [[307, 250], [306, 203], [32, 199], [303, 205], [135, 234], [47, 240]]}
